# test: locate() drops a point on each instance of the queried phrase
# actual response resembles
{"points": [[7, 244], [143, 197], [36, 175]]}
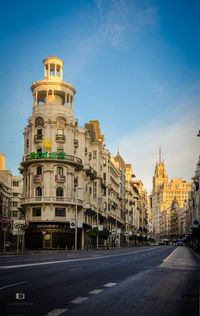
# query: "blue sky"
{"points": [[134, 64]]}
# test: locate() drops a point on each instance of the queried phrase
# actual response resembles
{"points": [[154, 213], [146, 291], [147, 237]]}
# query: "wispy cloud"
{"points": [[178, 139]]}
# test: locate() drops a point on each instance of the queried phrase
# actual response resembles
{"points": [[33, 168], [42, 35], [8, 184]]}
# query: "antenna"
{"points": [[160, 155]]}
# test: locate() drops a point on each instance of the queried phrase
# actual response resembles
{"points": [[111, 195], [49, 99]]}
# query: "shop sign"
{"points": [[195, 222], [47, 226], [46, 155], [72, 224], [47, 236]]}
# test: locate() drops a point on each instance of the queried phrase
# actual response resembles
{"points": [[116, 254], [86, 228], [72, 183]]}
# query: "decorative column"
{"points": [[65, 98], [69, 101], [48, 70], [61, 72], [36, 97], [47, 97], [55, 70], [45, 71], [72, 103], [52, 97]]}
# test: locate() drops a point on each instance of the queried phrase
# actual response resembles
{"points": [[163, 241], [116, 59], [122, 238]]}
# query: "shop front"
{"points": [[52, 236]]}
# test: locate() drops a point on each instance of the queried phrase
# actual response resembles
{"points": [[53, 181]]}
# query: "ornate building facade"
{"points": [[69, 177], [163, 194]]}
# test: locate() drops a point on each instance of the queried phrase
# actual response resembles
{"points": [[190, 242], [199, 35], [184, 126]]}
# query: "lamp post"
{"points": [[76, 211], [99, 201]]}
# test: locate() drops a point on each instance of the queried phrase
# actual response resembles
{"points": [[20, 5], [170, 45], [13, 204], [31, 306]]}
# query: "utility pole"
{"points": [[76, 220]]}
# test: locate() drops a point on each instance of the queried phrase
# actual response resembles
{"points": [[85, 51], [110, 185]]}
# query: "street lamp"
{"points": [[76, 211], [98, 206]]}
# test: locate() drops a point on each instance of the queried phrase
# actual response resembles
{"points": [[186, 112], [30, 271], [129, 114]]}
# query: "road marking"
{"points": [[171, 254], [70, 260], [95, 291], [4, 287], [109, 284], [79, 300], [57, 311], [74, 269]]}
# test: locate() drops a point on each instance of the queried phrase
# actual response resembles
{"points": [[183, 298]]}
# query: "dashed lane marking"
{"points": [[57, 312], [109, 284], [79, 300], [74, 269], [95, 291]]}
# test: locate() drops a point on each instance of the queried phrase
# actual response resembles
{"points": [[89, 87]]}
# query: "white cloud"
{"points": [[180, 145]]}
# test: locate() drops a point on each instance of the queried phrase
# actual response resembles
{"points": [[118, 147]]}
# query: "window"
{"points": [[15, 183], [60, 171], [60, 150], [94, 154], [104, 191], [60, 131], [60, 212], [39, 150], [104, 176], [39, 171], [39, 131], [105, 206], [15, 204], [59, 191], [15, 213], [15, 194], [94, 189], [27, 143], [104, 162], [36, 211], [39, 122], [38, 191]]}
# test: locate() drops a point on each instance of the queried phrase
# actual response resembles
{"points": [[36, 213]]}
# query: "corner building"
{"points": [[53, 150], [65, 165]]}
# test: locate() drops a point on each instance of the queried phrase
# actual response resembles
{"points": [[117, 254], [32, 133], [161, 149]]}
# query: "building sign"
{"points": [[46, 155], [72, 224], [195, 222]]}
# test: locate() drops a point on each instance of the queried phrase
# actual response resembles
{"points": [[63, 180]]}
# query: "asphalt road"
{"points": [[135, 281]]}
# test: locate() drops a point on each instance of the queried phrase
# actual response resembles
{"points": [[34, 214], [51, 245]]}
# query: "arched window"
{"points": [[39, 122], [39, 171], [38, 191], [60, 171], [61, 122], [59, 191]]}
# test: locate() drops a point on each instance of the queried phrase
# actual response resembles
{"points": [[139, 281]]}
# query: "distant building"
{"points": [[164, 193]]}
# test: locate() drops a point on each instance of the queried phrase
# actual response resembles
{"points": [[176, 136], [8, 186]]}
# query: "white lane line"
{"points": [[74, 269], [57, 312], [171, 254], [70, 260], [79, 300], [109, 284], [4, 287], [95, 291]]}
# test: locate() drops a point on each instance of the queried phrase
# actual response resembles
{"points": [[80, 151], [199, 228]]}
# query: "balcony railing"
{"points": [[51, 199], [37, 178], [38, 138], [60, 138], [59, 178]]}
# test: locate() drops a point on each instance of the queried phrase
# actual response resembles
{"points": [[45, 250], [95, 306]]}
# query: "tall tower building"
{"points": [[52, 160], [164, 193]]}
